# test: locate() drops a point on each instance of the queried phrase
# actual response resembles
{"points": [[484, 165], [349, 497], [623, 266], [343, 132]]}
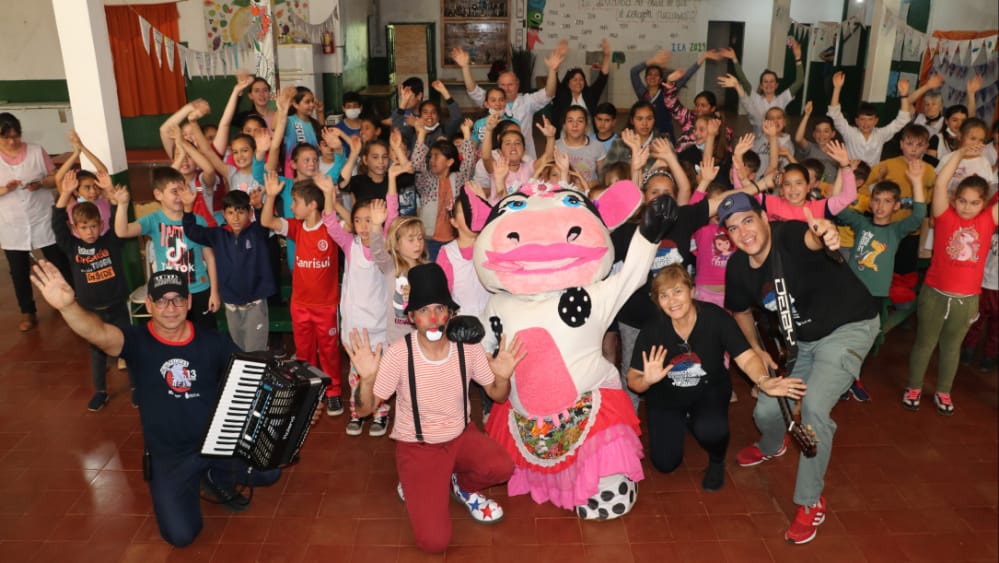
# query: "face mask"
{"points": [[81, 199], [352, 113], [495, 111], [432, 128], [700, 147]]}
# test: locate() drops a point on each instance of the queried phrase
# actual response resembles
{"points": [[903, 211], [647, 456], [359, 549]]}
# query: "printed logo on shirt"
{"points": [[964, 245], [769, 301], [95, 264], [721, 249], [687, 370], [179, 257], [666, 254], [400, 298], [179, 378], [323, 245], [868, 250]]}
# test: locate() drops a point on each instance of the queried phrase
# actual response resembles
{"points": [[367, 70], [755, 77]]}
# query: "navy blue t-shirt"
{"points": [[176, 384]]}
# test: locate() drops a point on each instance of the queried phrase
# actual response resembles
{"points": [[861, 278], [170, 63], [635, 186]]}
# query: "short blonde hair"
{"points": [[668, 277]]}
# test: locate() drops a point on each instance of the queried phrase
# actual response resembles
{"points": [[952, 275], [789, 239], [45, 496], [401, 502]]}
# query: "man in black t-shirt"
{"points": [[835, 321], [176, 372]]}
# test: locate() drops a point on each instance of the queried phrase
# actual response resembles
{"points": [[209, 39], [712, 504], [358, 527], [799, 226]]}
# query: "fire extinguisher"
{"points": [[328, 47]]}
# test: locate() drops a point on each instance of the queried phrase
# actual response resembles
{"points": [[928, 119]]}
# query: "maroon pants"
{"points": [[425, 473], [988, 319]]}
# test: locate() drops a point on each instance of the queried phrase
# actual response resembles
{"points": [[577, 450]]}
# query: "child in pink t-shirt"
{"points": [[713, 247], [948, 301]]}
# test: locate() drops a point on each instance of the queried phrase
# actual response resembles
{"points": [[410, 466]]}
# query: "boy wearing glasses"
{"points": [[177, 367]]}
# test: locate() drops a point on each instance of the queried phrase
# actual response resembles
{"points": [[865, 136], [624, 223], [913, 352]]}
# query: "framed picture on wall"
{"points": [[485, 42]]}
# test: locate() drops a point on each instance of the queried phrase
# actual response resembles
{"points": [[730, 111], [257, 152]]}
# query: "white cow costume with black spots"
{"points": [[545, 252]]}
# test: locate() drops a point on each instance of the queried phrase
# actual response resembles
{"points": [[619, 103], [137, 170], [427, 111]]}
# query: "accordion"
{"points": [[264, 410]]}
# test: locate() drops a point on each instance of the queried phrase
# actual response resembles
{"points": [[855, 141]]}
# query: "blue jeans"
{"points": [[176, 490], [828, 366]]}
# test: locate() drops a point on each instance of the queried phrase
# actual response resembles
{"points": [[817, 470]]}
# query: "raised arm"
{"points": [[663, 150], [273, 187], [553, 61], [454, 115], [941, 189], [57, 293], [799, 134], [932, 83], [280, 125], [461, 58], [799, 68], [122, 228], [207, 160], [838, 201], [243, 81], [487, 142], [974, 84], [729, 53], [73, 158], [176, 119]]}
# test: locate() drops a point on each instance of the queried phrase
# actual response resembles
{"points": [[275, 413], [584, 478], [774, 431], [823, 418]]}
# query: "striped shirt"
{"points": [[438, 389]]}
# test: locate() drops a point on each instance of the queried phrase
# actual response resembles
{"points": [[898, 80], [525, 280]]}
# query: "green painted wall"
{"points": [[22, 91]]}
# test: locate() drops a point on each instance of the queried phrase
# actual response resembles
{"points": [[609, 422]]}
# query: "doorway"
{"points": [[411, 52], [723, 34]]}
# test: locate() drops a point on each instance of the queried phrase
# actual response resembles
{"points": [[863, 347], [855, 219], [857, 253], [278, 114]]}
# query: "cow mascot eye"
{"points": [[514, 205], [572, 200]]}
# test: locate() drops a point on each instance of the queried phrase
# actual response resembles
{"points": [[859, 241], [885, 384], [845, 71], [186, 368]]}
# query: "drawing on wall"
{"points": [[227, 22], [632, 24]]}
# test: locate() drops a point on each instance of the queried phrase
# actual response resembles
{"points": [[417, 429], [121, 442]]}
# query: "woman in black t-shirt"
{"points": [[678, 363]]}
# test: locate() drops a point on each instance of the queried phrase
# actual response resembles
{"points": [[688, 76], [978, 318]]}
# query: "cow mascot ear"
{"points": [[465, 329]]}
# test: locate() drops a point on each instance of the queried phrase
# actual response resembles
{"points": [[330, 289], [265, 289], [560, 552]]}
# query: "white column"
{"points": [[778, 35], [93, 95], [879, 50]]}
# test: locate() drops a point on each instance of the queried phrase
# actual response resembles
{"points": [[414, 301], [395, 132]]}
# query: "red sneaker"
{"points": [[752, 455], [806, 523]]}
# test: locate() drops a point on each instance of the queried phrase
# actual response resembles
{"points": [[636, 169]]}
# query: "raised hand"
{"points": [[795, 48], [808, 108], [974, 84], [325, 184], [770, 128], [187, 196], [674, 77], [492, 121], [728, 53], [74, 140], [654, 369], [506, 358], [256, 198], [903, 87], [460, 57], [935, 81], [272, 184], [379, 211], [839, 79], [355, 144], [332, 138], [554, 60], [838, 152], [466, 128], [713, 54], [714, 126], [399, 168], [639, 158], [709, 171], [121, 195], [57, 293], [501, 166], [914, 171], [104, 180], [546, 127], [405, 96], [285, 96], [243, 81], [362, 356], [662, 149], [395, 139], [605, 46], [631, 140], [262, 138], [728, 81], [441, 88], [744, 145], [69, 182], [200, 108], [660, 59]]}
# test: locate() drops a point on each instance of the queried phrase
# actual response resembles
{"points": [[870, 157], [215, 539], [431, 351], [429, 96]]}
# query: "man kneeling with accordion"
{"points": [[177, 376]]}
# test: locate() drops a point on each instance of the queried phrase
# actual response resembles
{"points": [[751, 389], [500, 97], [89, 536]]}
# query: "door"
{"points": [[723, 34], [411, 53]]}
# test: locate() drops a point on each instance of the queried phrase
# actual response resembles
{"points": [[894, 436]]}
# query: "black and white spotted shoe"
{"points": [[616, 498]]}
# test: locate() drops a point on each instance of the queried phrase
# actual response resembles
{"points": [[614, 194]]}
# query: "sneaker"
{"points": [[910, 399], [752, 455], [859, 392], [354, 426], [987, 365], [845, 396], [231, 499], [378, 426], [334, 406], [967, 355], [714, 477], [806, 523], [944, 405], [98, 401], [398, 490], [482, 509]]}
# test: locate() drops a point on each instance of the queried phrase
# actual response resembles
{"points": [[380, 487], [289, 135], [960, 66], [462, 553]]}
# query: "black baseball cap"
{"points": [[166, 281]]}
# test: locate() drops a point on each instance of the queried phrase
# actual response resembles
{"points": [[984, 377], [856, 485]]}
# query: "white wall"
{"points": [[30, 43], [811, 11], [963, 15]]}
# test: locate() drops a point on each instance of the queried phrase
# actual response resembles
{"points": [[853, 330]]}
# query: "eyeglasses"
{"points": [[177, 302]]}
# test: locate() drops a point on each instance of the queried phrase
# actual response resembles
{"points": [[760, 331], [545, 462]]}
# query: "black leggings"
{"points": [[707, 419], [20, 273]]}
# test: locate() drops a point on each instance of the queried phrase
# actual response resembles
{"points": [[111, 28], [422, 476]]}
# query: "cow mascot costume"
{"points": [[545, 252]]}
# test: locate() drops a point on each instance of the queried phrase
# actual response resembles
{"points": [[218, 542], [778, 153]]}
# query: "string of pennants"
{"points": [[229, 58], [802, 30]]}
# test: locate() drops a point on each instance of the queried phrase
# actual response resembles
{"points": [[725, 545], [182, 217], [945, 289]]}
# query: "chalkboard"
{"points": [[631, 25]]}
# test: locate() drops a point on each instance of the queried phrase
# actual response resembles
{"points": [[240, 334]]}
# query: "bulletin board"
{"points": [[631, 25]]}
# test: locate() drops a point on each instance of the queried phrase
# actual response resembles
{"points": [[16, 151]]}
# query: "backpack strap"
{"points": [[412, 388]]}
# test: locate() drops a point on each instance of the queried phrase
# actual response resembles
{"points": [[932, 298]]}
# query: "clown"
{"points": [[545, 252]]}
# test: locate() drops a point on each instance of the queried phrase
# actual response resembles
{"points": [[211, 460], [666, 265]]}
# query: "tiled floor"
{"points": [[901, 486]]}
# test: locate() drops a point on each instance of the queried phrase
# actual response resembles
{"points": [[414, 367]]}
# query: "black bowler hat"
{"points": [[428, 286]]}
